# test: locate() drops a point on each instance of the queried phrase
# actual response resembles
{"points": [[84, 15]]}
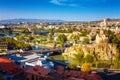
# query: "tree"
{"points": [[89, 58], [84, 33], [25, 31], [117, 61], [74, 55], [52, 32], [112, 37], [62, 39], [86, 40], [74, 37], [86, 67], [51, 38]]}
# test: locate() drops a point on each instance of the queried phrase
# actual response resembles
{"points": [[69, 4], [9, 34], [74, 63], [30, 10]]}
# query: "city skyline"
{"points": [[72, 10]]}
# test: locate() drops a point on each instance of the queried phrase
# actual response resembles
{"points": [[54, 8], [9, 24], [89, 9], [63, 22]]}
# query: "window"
{"points": [[8, 78], [32, 77], [27, 78]]}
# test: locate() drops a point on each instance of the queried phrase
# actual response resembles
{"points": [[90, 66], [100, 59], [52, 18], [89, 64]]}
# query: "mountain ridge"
{"points": [[47, 20], [29, 20]]}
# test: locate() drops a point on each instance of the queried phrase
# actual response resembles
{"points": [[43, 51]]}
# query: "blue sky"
{"points": [[73, 10]]}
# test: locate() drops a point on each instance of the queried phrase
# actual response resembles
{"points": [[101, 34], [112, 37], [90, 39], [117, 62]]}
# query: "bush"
{"points": [[86, 67], [72, 66], [89, 59], [86, 40], [103, 65]]}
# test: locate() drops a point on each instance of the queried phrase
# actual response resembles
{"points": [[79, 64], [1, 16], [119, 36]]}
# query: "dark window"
{"points": [[8, 78], [27, 78], [32, 77]]}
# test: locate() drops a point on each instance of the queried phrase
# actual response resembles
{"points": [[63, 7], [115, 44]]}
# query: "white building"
{"points": [[51, 26], [3, 27]]}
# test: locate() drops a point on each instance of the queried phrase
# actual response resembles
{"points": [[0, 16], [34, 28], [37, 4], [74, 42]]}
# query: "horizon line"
{"points": [[59, 19]]}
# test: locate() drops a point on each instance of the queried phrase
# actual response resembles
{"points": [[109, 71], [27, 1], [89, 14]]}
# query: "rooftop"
{"points": [[61, 74], [23, 58], [8, 66], [39, 71]]}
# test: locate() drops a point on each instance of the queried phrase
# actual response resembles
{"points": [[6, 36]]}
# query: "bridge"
{"points": [[38, 51], [47, 50]]}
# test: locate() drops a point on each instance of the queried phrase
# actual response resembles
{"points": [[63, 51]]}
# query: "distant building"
{"points": [[3, 46], [41, 32], [3, 35], [101, 37], [40, 73], [104, 23], [24, 59], [4, 27], [52, 26], [37, 73], [39, 26]]}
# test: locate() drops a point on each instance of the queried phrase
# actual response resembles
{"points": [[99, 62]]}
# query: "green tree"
{"points": [[86, 40], [51, 38], [89, 58], [52, 31], [62, 39], [84, 33], [25, 31], [112, 37], [117, 61]]}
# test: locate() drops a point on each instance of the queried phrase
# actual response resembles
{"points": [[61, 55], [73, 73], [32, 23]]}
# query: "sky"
{"points": [[70, 10]]}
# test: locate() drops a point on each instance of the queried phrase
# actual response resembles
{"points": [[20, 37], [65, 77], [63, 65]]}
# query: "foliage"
{"points": [[103, 65], [72, 66], [94, 54], [117, 61], [74, 37], [86, 67], [62, 39], [52, 32], [92, 37], [112, 37], [25, 31], [74, 55], [9, 31], [60, 30], [51, 38], [89, 58], [84, 33], [2, 39], [106, 51], [31, 38], [86, 40], [16, 44]]}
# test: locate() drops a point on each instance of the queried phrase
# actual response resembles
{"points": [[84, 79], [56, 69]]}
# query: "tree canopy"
{"points": [[62, 39]]}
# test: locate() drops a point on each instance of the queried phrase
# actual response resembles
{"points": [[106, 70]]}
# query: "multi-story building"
{"points": [[3, 46]]}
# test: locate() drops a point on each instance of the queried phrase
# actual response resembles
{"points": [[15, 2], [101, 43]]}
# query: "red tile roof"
{"points": [[5, 60], [60, 69], [8, 66], [38, 71], [60, 74], [94, 76], [74, 75]]}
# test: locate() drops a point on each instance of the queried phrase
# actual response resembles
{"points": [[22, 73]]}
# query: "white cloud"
{"points": [[92, 0], [74, 5], [63, 2], [57, 2]]}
